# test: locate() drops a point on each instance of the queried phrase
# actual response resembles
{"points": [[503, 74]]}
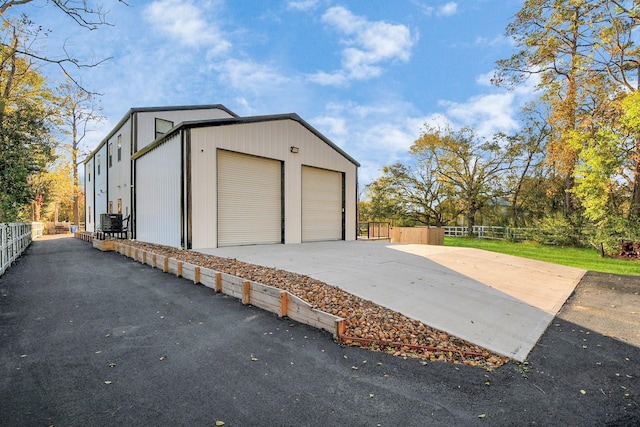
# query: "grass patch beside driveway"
{"points": [[584, 258]]}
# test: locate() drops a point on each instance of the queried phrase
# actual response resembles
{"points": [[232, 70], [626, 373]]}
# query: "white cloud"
{"points": [[368, 45], [183, 21], [487, 114], [247, 75], [303, 5], [448, 9], [485, 79], [336, 127], [497, 41], [337, 78]]}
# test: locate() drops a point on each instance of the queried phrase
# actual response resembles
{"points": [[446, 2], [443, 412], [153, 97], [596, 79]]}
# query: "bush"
{"points": [[611, 233], [556, 230]]}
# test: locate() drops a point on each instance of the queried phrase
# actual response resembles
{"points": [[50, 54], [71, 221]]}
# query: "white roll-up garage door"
{"points": [[249, 200], [321, 204]]}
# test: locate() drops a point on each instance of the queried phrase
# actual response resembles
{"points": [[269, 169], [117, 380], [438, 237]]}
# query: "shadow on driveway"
{"points": [[92, 338]]}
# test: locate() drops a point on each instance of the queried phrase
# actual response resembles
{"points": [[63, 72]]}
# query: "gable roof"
{"points": [[242, 120]]}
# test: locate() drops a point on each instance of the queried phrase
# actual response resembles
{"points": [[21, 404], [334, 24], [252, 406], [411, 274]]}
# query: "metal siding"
{"points": [[146, 121], [120, 171], [203, 191], [158, 190], [321, 204], [101, 203], [89, 188], [249, 200], [272, 140]]}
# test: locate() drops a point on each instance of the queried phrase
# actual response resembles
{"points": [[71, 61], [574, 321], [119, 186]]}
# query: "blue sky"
{"points": [[367, 74]]}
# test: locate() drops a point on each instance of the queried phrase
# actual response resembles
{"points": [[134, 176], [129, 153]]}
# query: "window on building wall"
{"points": [[110, 206], [89, 215], [119, 206], [162, 127], [89, 174], [111, 154], [99, 164], [119, 147]]}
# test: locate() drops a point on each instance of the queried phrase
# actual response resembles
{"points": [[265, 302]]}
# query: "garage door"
{"points": [[249, 200], [321, 205]]}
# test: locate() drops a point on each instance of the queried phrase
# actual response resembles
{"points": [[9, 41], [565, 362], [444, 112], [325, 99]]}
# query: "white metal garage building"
{"points": [[109, 171], [244, 180]]}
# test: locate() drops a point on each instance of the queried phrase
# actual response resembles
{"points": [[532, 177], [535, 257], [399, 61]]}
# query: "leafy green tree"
{"points": [[27, 116], [619, 56], [554, 41], [467, 167], [411, 195], [26, 142]]}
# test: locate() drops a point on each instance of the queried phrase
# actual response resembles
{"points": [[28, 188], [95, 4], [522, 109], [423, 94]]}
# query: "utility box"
{"points": [[111, 223]]}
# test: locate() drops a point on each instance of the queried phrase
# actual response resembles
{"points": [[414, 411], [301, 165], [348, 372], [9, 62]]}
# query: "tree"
{"points": [[26, 141], [27, 119], [619, 55], [410, 195], [526, 179], [78, 109], [84, 13], [554, 40], [467, 166]]}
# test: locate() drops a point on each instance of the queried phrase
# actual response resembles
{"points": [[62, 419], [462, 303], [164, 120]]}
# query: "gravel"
{"points": [[366, 324]]}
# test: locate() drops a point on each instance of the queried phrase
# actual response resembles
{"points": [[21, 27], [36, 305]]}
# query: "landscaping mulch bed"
{"points": [[366, 324]]}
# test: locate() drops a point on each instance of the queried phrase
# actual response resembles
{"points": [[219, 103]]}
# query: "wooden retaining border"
{"points": [[269, 298], [83, 235]]}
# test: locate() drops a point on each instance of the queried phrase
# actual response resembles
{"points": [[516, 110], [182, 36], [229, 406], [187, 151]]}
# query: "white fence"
{"points": [[14, 239], [487, 232], [37, 230]]}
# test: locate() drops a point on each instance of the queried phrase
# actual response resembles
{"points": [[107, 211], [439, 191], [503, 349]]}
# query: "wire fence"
{"points": [[15, 237]]}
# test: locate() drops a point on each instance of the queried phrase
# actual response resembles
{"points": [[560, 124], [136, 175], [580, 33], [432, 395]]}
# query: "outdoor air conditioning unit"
{"points": [[111, 222]]}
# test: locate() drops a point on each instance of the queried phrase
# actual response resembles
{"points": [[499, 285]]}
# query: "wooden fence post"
{"points": [[218, 282], [284, 299], [246, 292], [196, 275]]}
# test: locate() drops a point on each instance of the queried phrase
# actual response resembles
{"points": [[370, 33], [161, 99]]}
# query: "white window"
{"points": [[162, 127]]}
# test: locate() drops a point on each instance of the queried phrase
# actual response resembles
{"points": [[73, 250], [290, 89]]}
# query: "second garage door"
{"points": [[249, 200], [322, 205]]}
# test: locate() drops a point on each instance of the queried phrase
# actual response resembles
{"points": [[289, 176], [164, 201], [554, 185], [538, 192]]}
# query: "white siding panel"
{"points": [[120, 170], [101, 191], [158, 195], [249, 200], [89, 205], [321, 205]]}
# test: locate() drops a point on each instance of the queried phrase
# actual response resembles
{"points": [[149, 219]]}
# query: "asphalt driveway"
{"points": [[90, 338]]}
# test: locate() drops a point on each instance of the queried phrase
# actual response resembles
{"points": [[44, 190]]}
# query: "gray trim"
{"points": [[241, 120]]}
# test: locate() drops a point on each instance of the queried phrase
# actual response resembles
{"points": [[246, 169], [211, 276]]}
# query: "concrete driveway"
{"points": [[500, 302]]}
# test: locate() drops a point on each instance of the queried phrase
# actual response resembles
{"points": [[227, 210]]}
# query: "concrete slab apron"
{"points": [[499, 302]]}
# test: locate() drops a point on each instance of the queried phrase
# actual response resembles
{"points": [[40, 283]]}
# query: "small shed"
{"points": [[244, 180]]}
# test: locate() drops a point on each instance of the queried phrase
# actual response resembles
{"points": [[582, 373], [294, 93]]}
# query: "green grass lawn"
{"points": [[588, 259]]}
